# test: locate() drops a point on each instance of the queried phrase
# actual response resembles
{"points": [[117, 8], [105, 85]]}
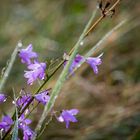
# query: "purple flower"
{"points": [[27, 133], [94, 62], [6, 123], [43, 97], [67, 116], [2, 98], [23, 100], [27, 54], [23, 122], [37, 70], [76, 62], [23, 125]]}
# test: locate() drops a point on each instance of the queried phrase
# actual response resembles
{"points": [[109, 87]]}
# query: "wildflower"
{"points": [[76, 62], [67, 116], [27, 54], [43, 97], [27, 133], [2, 98], [23, 122], [23, 125], [94, 62], [6, 123], [23, 100], [37, 70]]}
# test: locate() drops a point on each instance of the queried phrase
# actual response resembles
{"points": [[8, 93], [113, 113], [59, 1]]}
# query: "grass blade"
{"points": [[15, 129], [9, 67]]}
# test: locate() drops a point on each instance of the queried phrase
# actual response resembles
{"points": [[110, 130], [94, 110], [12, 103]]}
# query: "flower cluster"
{"points": [[42, 97], [23, 123], [36, 70], [94, 62], [65, 116]]}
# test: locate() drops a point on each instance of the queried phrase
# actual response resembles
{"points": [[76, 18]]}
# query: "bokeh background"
{"points": [[109, 102]]}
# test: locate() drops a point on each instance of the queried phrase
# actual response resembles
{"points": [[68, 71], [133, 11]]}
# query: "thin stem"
{"points": [[99, 44], [32, 110], [10, 65], [31, 100], [50, 76], [62, 77], [103, 16], [63, 74], [61, 80], [93, 26], [50, 119]]}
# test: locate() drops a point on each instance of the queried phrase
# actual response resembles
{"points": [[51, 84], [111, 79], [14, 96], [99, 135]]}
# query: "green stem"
{"points": [[61, 80], [10, 65], [99, 44], [64, 73]]}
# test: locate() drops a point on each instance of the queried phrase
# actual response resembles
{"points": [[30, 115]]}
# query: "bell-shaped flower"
{"points": [[76, 63], [68, 116], [2, 98], [94, 62], [37, 70], [43, 97], [6, 123], [27, 54], [27, 133], [23, 125], [22, 101], [23, 122]]}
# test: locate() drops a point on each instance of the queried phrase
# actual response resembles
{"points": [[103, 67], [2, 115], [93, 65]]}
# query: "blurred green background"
{"points": [[109, 103]]}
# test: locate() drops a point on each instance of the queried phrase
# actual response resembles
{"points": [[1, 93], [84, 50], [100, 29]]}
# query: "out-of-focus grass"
{"points": [[108, 103]]}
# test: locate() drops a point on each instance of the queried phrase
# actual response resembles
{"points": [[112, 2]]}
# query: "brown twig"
{"points": [[102, 16]]}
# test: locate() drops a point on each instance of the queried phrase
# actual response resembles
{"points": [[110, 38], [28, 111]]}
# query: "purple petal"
{"points": [[23, 100], [67, 116], [67, 124], [28, 121], [73, 111], [7, 119], [37, 70], [2, 98], [27, 133], [27, 54], [3, 125], [6, 123], [76, 63], [43, 97], [94, 62]]}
